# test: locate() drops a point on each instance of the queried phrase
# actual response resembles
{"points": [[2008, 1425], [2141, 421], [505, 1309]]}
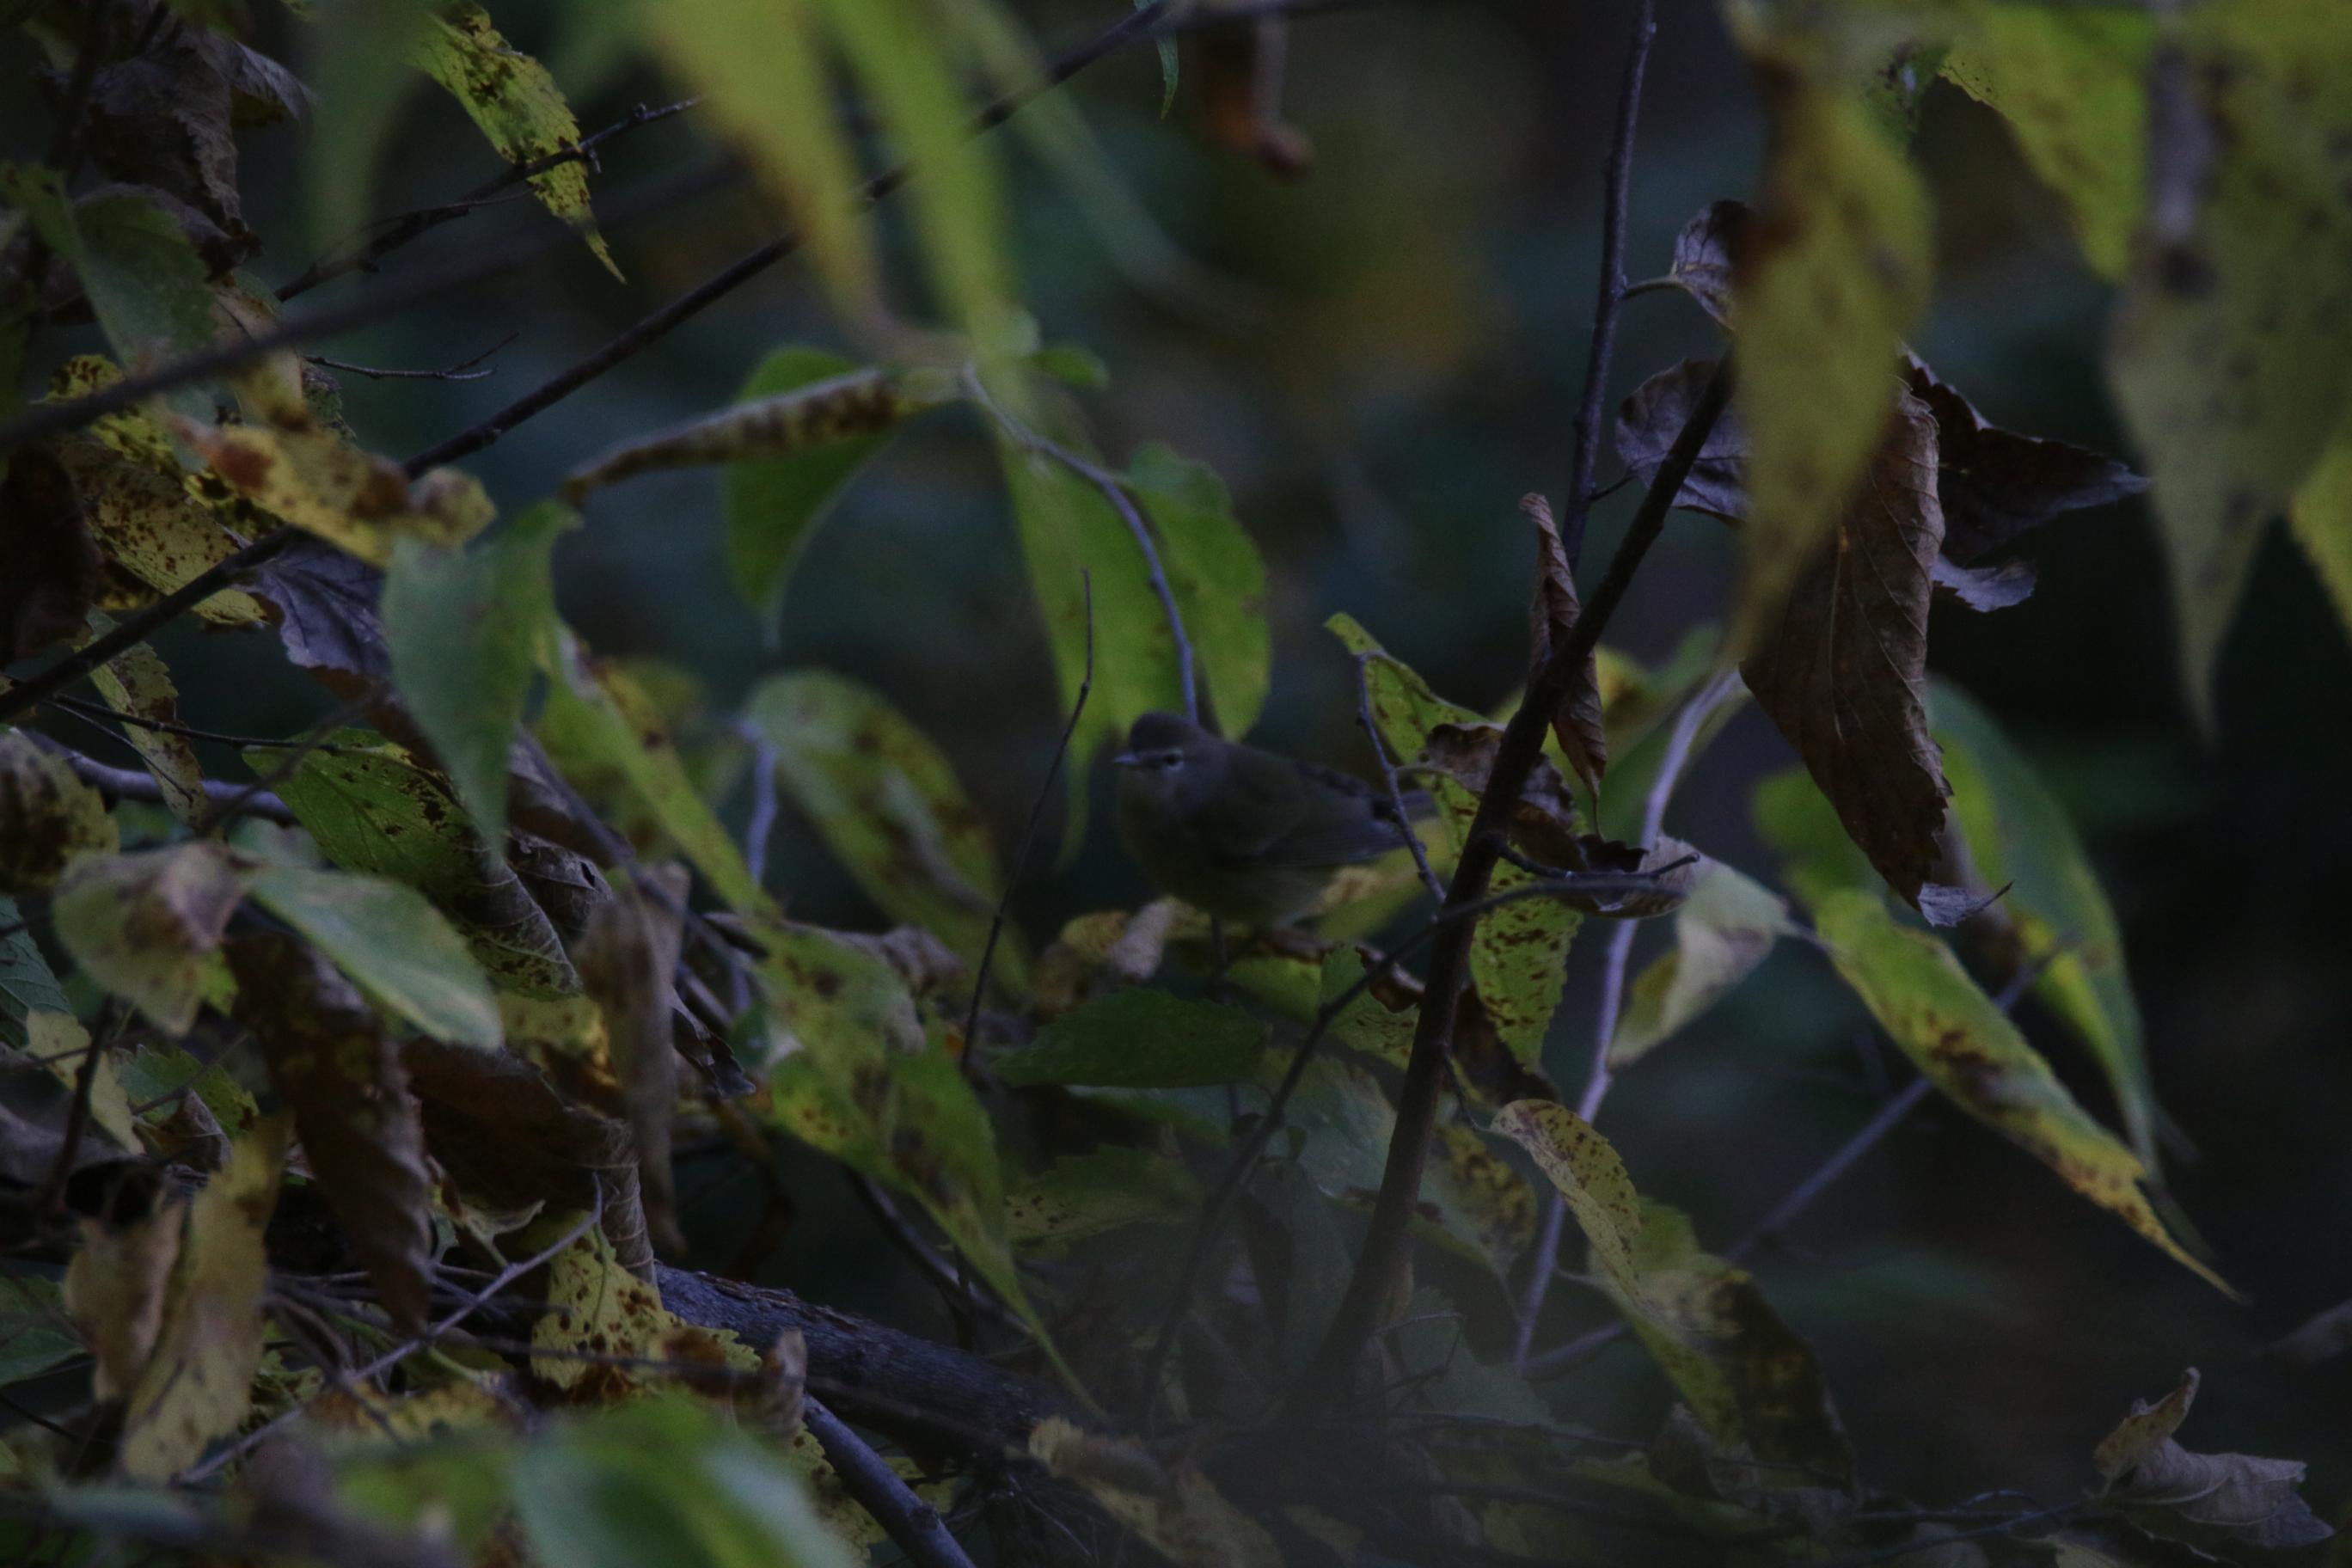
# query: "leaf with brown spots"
{"points": [[338, 1068], [1577, 722], [1725, 928], [1106, 1189], [516, 103], [1179, 1511], [148, 926], [136, 685], [600, 1310], [116, 1286], [2216, 1501], [50, 820], [850, 410], [1839, 664], [1961, 1039], [888, 805], [198, 1383], [1831, 272], [2230, 353]]}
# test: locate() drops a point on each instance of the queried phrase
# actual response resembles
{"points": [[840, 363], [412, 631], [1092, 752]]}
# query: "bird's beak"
{"points": [[1124, 760]]}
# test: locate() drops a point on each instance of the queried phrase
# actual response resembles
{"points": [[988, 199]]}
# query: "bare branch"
{"points": [[912, 1524]]}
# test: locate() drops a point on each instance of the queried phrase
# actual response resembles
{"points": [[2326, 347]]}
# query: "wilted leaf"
{"points": [[325, 603], [1706, 250], [136, 685], [464, 631], [1650, 419], [388, 937], [161, 118], [2054, 911], [1179, 1512], [598, 716], [54, 575], [888, 805], [115, 1288], [147, 926], [2231, 348], [1217, 577], [1081, 1196], [626, 962], [2208, 1500], [1750, 1379], [2069, 80], [1577, 722], [1833, 270], [50, 820], [598, 1308], [517, 105], [338, 1068], [1839, 665], [61, 1046], [1140, 1037], [773, 504], [300, 467], [855, 408], [198, 1384], [1722, 933], [1960, 1038], [373, 809]]}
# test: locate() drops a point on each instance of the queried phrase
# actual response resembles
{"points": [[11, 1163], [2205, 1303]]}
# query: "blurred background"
{"points": [[1392, 359]]}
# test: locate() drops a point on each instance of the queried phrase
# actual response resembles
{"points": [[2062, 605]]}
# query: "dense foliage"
{"points": [[347, 1106]]}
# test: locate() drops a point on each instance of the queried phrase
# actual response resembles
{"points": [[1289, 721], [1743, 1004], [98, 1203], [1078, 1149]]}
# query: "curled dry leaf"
{"points": [[626, 963], [1839, 665], [1552, 618], [147, 926], [1653, 415], [337, 1067], [2206, 1499], [846, 408], [50, 820], [1704, 254]]}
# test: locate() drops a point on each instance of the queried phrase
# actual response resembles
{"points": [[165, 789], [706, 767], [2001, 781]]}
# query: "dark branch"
{"points": [[912, 1524]]}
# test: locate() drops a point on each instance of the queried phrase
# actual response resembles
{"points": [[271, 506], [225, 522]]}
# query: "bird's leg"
{"points": [[1219, 959]]}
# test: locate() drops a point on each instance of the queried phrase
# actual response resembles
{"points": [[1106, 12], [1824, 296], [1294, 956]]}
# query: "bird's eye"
{"points": [[1169, 760]]}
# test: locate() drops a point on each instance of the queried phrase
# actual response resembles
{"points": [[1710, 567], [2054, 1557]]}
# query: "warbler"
{"points": [[1244, 833]]}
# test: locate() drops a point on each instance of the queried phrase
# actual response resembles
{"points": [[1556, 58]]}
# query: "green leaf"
{"points": [[761, 67], [387, 937], [148, 926], [773, 505], [1140, 1037], [1218, 579], [1069, 536], [2322, 520], [154, 1073], [136, 684], [888, 804], [1166, 44], [514, 101], [359, 99], [1838, 270], [26, 986], [598, 717], [2018, 837], [897, 50], [1798, 821], [1961, 1039], [2231, 354], [1110, 1188], [1722, 931], [2071, 81], [373, 809], [1750, 1380], [465, 630], [35, 1333], [718, 1498]]}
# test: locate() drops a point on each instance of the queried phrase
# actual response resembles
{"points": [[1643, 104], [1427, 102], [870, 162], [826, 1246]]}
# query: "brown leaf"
{"points": [[625, 962], [1542, 819], [1702, 256], [162, 119], [1236, 77], [325, 601], [1995, 484], [49, 818], [1653, 416], [1841, 666], [114, 1291], [336, 1066], [54, 572], [2205, 1500], [1551, 618]]}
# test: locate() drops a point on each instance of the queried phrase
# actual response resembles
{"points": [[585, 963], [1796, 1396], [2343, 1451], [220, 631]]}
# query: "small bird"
{"points": [[1242, 833]]}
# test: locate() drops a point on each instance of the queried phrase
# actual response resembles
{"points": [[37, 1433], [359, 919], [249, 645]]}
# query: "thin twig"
{"points": [[172, 727], [228, 800], [1680, 741], [1388, 776], [1387, 1235], [766, 803], [1114, 490], [970, 1062], [473, 1303], [400, 230], [462, 371], [301, 747], [1935, 1543], [53, 1190], [912, 1524], [1617, 183]]}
